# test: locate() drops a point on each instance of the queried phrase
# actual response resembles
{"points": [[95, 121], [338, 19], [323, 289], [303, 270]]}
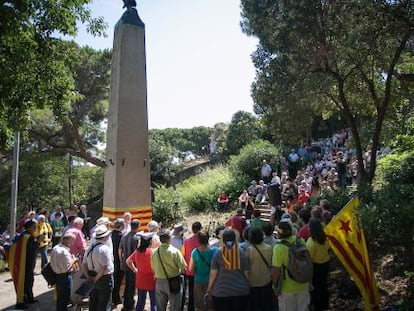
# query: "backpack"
{"points": [[300, 265]]}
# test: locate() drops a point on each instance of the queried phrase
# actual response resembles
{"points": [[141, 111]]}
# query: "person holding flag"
{"points": [[318, 247], [346, 238], [21, 259]]}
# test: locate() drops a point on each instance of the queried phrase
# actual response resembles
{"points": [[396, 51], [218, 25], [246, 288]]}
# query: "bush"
{"points": [[200, 192], [162, 207], [247, 164], [391, 217], [337, 200]]}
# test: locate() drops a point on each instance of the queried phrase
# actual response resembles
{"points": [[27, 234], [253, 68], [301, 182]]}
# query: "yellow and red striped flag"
{"points": [[142, 213], [17, 263], [346, 238]]}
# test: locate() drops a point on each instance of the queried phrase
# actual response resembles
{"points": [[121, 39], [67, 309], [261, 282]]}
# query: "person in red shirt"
{"points": [[140, 263], [304, 215], [237, 222], [188, 246], [222, 200], [303, 197]]}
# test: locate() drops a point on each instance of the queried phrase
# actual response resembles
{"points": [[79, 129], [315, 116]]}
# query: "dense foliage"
{"points": [[164, 204], [320, 57], [246, 165], [337, 199], [200, 193], [32, 65], [243, 129], [78, 130], [44, 182], [194, 139], [391, 216]]}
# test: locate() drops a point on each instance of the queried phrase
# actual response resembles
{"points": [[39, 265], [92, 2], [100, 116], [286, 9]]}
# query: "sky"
{"points": [[199, 68]]}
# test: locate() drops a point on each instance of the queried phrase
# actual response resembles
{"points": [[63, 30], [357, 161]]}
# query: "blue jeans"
{"points": [[142, 296], [43, 255], [129, 291], [63, 286]]}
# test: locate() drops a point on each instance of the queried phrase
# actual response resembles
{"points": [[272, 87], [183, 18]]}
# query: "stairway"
{"points": [[265, 211]]}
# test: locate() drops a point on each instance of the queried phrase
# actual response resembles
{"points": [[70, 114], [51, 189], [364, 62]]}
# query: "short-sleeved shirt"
{"points": [[280, 260], [259, 275], [172, 259], [304, 232], [43, 234], [145, 278], [57, 226], [230, 283], [100, 255], [202, 269], [318, 252], [188, 246], [80, 244], [256, 222], [237, 223], [127, 245], [60, 259]]}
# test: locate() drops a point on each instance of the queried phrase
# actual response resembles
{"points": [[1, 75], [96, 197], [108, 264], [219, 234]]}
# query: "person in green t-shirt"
{"points": [[256, 222], [57, 227], [293, 296]]}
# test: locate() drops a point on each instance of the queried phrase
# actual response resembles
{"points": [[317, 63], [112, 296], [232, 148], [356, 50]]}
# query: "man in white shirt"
{"points": [[127, 223], [99, 222], [62, 263], [98, 265], [266, 172]]}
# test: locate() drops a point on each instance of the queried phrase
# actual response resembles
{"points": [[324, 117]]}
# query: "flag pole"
{"points": [[14, 184]]}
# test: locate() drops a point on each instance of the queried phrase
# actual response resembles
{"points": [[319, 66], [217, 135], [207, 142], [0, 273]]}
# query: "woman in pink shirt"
{"points": [[140, 263]]}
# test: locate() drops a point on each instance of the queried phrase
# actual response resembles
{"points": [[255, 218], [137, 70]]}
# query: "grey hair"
{"points": [[78, 221]]}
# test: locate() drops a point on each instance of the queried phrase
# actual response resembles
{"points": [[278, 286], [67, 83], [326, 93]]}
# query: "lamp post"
{"points": [[14, 184], [70, 179]]}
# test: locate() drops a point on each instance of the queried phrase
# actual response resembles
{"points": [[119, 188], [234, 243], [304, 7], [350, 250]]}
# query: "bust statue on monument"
{"points": [[129, 3], [130, 16]]}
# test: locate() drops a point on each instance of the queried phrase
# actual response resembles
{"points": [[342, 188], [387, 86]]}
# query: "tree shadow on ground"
{"points": [[46, 302]]}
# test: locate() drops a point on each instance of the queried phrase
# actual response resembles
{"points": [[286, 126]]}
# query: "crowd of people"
{"points": [[244, 265]]}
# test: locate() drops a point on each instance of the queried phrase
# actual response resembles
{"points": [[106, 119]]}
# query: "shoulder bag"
{"points": [[202, 258], [261, 255], [174, 283]]}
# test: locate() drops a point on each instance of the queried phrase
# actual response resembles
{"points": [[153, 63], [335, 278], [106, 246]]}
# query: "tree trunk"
{"points": [[364, 185]]}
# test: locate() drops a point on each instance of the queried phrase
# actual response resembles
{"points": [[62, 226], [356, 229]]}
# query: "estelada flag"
{"points": [[347, 240], [16, 256]]}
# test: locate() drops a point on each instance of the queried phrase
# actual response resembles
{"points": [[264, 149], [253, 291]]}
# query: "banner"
{"points": [[143, 214], [17, 264], [346, 238]]}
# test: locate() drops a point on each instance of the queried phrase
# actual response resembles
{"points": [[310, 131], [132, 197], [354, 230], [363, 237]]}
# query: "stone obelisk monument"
{"points": [[127, 174]]}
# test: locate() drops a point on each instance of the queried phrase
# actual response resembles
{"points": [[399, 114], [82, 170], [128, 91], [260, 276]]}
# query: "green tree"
{"points": [[163, 162], [32, 65], [246, 165], [393, 201], [43, 183], [243, 129], [193, 139], [78, 130], [329, 56], [218, 143], [200, 137]]}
